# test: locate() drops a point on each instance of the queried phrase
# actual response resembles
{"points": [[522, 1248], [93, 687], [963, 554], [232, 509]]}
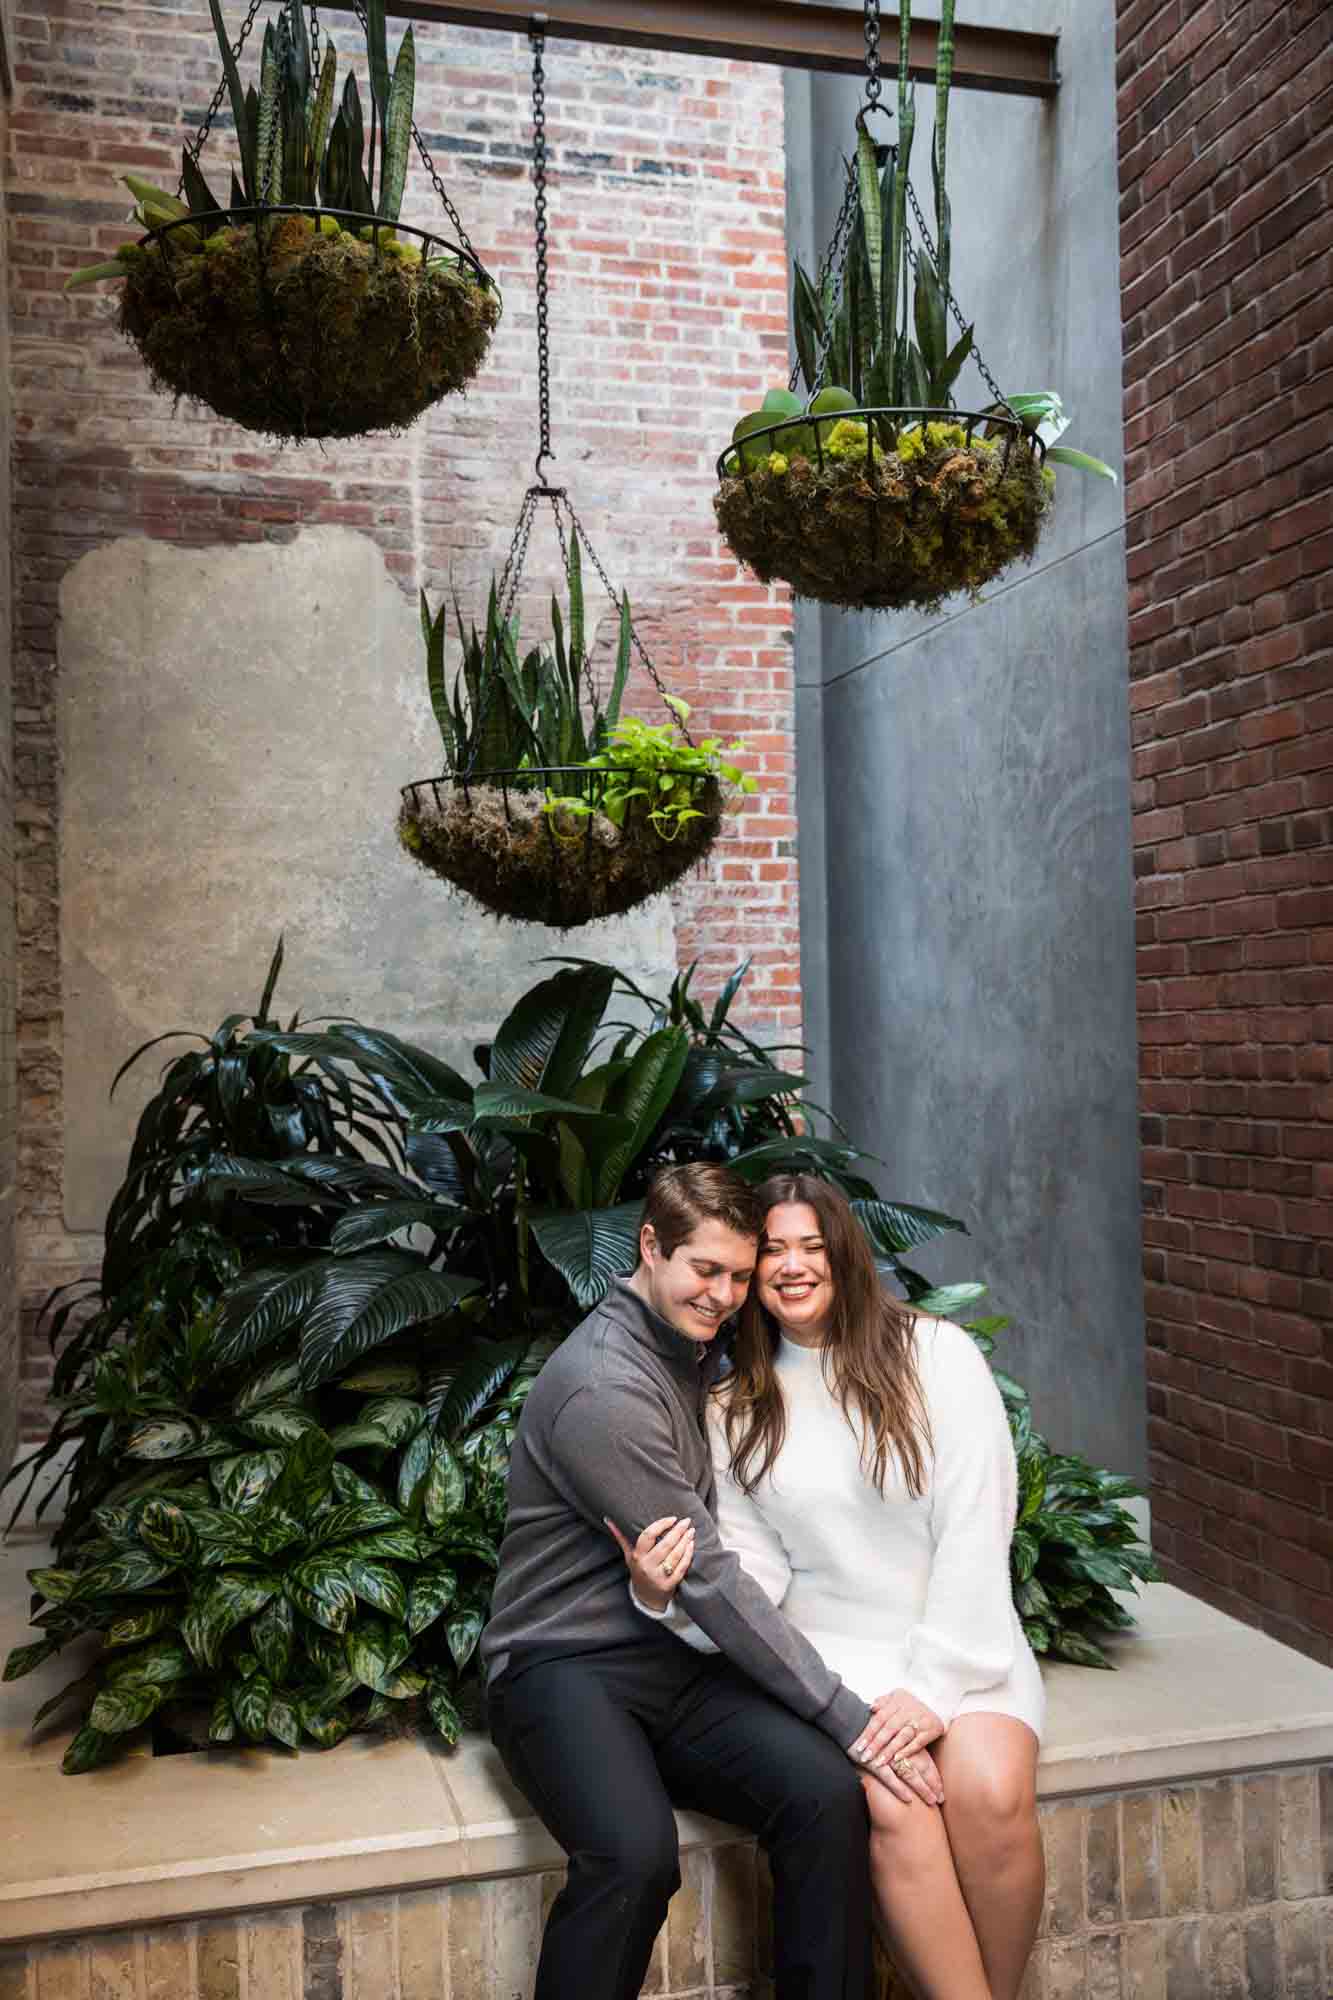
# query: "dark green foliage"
{"points": [[331, 1276]]}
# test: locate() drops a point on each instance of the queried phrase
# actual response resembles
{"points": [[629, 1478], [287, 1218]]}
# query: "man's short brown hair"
{"points": [[680, 1198]]}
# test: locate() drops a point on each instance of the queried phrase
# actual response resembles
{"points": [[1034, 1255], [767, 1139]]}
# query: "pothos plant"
{"points": [[331, 1275], [861, 488], [294, 306]]}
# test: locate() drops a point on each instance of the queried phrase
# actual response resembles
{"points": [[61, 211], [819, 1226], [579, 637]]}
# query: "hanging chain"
{"points": [[538, 41], [873, 84], [835, 260], [314, 45], [996, 391], [427, 162], [206, 123]]}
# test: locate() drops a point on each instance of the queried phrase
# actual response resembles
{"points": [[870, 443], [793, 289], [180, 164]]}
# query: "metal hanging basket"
{"points": [[872, 491], [311, 316], [546, 841]]}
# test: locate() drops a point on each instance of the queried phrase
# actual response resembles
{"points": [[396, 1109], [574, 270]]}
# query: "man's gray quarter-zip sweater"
{"points": [[613, 1428]]}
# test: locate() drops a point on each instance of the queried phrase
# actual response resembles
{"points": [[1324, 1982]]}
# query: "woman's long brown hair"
{"points": [[867, 1357]]}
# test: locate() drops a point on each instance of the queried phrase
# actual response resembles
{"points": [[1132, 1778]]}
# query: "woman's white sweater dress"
{"points": [[894, 1591]]}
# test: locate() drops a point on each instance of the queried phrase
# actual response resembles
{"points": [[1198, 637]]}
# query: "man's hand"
{"points": [[658, 1560]]}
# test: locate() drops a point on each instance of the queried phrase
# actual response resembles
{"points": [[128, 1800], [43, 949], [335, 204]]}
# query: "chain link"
{"points": [[996, 391], [538, 41], [314, 46], [206, 124], [873, 84]]}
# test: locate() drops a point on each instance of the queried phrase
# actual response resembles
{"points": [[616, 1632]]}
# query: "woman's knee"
{"points": [[994, 1801]]}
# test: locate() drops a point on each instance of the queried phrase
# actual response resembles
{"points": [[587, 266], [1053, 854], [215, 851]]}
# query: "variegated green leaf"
{"points": [[165, 1531], [321, 1588], [431, 1594], [378, 1585]]}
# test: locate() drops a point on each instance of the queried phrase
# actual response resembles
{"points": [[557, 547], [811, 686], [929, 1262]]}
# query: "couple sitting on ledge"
{"points": [[816, 1639]]}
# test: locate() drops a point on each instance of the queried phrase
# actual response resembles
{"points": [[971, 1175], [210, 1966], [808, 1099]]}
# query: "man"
{"points": [[604, 1719]]}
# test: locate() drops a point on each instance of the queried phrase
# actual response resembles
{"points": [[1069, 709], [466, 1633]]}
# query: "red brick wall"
{"points": [[1226, 146], [669, 275]]}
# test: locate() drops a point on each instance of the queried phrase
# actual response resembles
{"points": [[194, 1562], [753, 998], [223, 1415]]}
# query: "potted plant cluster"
{"points": [[553, 806], [302, 307], [333, 1269], [869, 489]]}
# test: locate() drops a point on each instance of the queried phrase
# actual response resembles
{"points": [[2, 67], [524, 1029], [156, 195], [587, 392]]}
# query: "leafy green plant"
{"points": [[316, 324], [651, 764], [333, 1271], [506, 713]]}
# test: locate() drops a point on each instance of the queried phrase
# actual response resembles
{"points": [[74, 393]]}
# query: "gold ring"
{"points": [[904, 1767], [667, 1567]]}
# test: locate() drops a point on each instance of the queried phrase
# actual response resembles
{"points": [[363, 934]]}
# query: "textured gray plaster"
{"points": [[970, 932], [235, 724]]}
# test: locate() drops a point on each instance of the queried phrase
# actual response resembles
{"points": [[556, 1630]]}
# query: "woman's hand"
{"points": [[658, 1560], [900, 1726]]}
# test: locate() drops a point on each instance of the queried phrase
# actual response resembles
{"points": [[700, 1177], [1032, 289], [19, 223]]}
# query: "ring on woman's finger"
{"points": [[668, 1567], [904, 1767]]}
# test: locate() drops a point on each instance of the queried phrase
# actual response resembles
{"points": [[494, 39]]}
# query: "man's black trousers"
{"points": [[604, 1745]]}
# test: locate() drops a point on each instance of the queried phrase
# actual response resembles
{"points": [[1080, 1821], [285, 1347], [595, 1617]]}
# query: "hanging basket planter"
{"points": [[871, 489], [554, 807], [303, 308], [515, 845], [882, 509]]}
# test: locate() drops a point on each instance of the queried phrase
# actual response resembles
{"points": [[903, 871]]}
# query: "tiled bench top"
{"points": [[150, 1839]]}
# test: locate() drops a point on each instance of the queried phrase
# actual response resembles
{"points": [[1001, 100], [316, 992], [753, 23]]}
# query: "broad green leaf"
{"points": [[242, 1482], [943, 1301], [263, 1305], [272, 1634], [279, 1424], [1065, 454], [500, 1101], [283, 1721], [1077, 1648], [165, 1531], [350, 1486], [443, 1713], [218, 1607], [398, 1417], [271, 1385], [543, 1044], [462, 1632], [23, 1659], [133, 1570], [222, 1722], [306, 1473], [363, 1301], [446, 1486], [384, 1378], [378, 1585], [431, 1593], [324, 1727], [412, 1470], [250, 1705], [158, 1664], [89, 1748], [142, 1625], [118, 1709], [455, 1541], [58, 1585], [375, 1650], [354, 1518], [166, 1437], [481, 1376], [389, 1545], [894, 1225], [589, 1247], [320, 1587], [380, 1221]]}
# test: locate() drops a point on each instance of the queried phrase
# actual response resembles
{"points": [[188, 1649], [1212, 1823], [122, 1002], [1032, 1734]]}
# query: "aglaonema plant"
{"points": [[334, 1270]]}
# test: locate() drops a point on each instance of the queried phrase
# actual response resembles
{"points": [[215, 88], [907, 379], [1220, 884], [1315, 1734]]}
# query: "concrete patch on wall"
{"points": [[235, 724]]}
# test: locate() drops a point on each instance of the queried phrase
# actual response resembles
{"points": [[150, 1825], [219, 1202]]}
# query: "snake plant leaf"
{"points": [[624, 645], [944, 58], [574, 579], [358, 186], [807, 326], [398, 128], [237, 97], [871, 231], [321, 114], [268, 149], [198, 193], [929, 318]]}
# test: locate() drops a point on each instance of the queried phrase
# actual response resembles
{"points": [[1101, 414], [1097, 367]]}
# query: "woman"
{"points": [[866, 1479]]}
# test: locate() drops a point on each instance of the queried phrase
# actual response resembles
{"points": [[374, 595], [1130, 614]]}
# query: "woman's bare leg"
{"points": [[989, 1767], [918, 1900]]}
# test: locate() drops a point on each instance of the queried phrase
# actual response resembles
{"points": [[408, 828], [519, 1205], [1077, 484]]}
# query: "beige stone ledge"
{"points": [[150, 1839]]}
